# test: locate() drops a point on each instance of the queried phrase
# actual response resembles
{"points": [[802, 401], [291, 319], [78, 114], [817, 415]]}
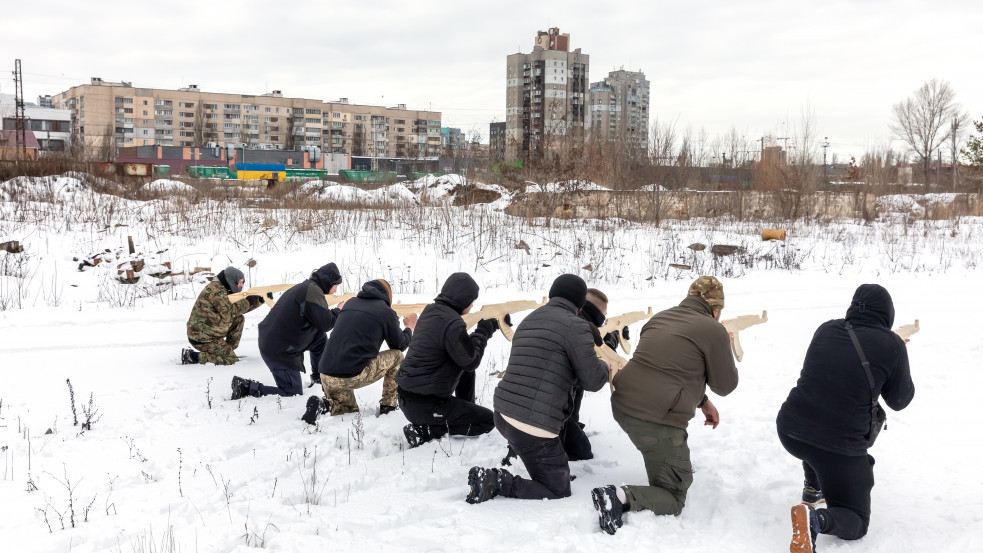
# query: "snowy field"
{"points": [[172, 464]]}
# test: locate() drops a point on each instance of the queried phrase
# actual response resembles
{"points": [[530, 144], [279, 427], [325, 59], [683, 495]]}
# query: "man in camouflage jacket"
{"points": [[215, 325]]}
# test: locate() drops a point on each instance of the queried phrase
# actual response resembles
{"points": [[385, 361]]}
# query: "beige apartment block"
{"points": [[545, 95], [107, 116], [619, 109]]}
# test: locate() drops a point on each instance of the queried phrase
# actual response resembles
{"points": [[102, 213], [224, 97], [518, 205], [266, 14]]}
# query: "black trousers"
{"points": [[544, 458], [455, 415], [574, 439], [846, 482]]}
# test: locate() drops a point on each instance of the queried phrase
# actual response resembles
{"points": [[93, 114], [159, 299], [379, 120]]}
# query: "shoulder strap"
{"points": [[863, 360]]}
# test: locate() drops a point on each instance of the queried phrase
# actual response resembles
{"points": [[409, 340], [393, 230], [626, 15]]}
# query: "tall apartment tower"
{"points": [[545, 95], [619, 109]]}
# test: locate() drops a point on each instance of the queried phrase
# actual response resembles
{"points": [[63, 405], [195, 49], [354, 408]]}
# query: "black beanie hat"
{"points": [[571, 288]]}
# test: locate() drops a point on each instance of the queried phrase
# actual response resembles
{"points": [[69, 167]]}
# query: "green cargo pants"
{"points": [[341, 391], [667, 464], [222, 351]]}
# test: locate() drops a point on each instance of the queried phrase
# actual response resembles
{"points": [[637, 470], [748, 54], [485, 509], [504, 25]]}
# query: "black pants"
{"points": [[574, 439], [545, 460], [846, 482], [442, 415]]}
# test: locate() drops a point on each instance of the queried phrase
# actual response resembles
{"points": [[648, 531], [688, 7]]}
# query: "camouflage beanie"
{"points": [[710, 289]]}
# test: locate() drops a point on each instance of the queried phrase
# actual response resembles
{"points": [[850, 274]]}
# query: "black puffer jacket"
{"points": [[297, 317], [366, 321], [552, 352], [441, 348], [829, 407]]}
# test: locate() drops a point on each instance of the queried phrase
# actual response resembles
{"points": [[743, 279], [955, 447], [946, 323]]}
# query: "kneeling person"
{"points": [[215, 325], [441, 362], [351, 357]]}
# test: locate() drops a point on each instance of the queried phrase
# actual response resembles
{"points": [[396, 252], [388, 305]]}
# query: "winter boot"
{"points": [[609, 508], [385, 410], [484, 483], [189, 356], [812, 496], [315, 380], [316, 405], [416, 434], [805, 529], [240, 387]]}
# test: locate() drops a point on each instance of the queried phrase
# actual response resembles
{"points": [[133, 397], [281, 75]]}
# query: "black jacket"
{"points": [[297, 318], [441, 349], [363, 325], [829, 407], [552, 352]]}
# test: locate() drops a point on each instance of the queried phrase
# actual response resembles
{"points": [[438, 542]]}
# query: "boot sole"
{"points": [[313, 409], [474, 483], [604, 518], [801, 532]]}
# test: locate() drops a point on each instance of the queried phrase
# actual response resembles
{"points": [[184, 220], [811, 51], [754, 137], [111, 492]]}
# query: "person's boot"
{"points": [[385, 409], [484, 483], [189, 356], [609, 508], [240, 387], [416, 434], [805, 529], [316, 406], [812, 496], [315, 380]]}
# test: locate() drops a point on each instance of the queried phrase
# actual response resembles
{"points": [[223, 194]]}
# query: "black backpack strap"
{"points": [[863, 361]]}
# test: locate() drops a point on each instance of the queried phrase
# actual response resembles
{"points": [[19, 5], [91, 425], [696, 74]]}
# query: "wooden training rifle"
{"points": [[736, 325], [905, 331], [620, 321], [615, 362], [261, 291], [498, 311], [335, 299]]}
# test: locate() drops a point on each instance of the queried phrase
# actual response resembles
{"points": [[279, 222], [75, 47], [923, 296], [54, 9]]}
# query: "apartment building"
{"points": [[106, 116], [52, 128], [496, 141], [545, 95], [619, 109]]}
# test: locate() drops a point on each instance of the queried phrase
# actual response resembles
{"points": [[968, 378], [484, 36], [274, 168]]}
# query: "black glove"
{"points": [[611, 339], [487, 326], [255, 301], [270, 295], [624, 333], [508, 320]]}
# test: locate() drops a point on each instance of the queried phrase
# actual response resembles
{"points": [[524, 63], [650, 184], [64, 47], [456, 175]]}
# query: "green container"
{"points": [[161, 171]]}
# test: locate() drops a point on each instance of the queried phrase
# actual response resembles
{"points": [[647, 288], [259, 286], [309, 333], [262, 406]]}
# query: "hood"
{"points": [[375, 290], [229, 277], [326, 277], [459, 291], [871, 304]]}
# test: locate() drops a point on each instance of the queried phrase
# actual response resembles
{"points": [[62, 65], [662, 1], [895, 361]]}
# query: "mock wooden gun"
{"points": [[736, 325], [621, 321], [615, 362], [335, 299], [498, 311], [405, 309], [905, 331], [261, 291]]}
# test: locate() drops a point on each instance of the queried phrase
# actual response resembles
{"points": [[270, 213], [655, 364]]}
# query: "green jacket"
{"points": [[680, 352], [213, 313]]}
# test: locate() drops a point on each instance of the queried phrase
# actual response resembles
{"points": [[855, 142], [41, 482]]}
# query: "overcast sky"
{"points": [[754, 65]]}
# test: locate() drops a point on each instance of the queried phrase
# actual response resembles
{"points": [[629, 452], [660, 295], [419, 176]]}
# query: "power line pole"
{"points": [[955, 130], [19, 117], [825, 166]]}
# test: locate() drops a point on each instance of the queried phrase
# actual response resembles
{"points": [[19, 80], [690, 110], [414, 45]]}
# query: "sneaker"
{"points": [[812, 496], [240, 387], [385, 409], [484, 483], [609, 508], [315, 406], [805, 528], [189, 356], [416, 434]]}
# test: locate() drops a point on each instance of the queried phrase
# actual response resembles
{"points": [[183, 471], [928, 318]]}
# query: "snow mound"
{"points": [[914, 204], [41, 188], [168, 185], [330, 191], [564, 186], [654, 188]]}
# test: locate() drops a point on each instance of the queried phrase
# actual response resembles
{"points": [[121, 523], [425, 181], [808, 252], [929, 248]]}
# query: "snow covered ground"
{"points": [[173, 465]]}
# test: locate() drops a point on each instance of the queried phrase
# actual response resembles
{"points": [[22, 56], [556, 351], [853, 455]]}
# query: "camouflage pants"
{"points": [[340, 391], [222, 351]]}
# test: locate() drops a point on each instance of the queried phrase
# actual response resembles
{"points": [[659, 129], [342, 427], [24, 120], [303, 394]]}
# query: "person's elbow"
{"points": [[723, 387], [899, 402]]}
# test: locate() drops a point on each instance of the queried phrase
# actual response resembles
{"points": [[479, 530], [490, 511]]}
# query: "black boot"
{"points": [[240, 387], [316, 405], [416, 434], [385, 409], [484, 483], [609, 508]]}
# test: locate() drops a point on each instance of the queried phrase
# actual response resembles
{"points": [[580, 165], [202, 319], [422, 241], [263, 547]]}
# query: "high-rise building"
{"points": [[545, 95], [496, 142], [106, 116], [619, 109]]}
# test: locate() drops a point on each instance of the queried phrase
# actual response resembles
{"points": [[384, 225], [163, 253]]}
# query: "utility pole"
{"points": [[825, 166], [955, 130], [20, 121]]}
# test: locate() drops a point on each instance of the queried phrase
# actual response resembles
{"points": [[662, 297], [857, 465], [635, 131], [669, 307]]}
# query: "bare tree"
{"points": [[924, 121]]}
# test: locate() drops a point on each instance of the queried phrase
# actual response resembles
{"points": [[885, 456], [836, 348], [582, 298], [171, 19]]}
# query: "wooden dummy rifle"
{"points": [[335, 299], [261, 291], [905, 331], [736, 325], [615, 362], [406, 309], [621, 321], [498, 311]]}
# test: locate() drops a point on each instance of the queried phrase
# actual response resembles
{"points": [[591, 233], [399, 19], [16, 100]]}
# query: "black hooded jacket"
{"points": [[829, 407], [363, 325], [297, 317], [441, 349]]}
